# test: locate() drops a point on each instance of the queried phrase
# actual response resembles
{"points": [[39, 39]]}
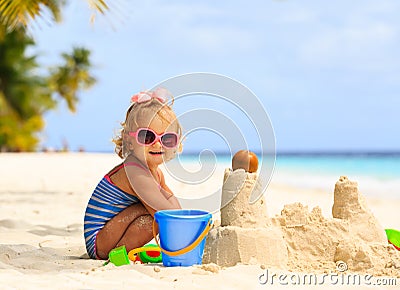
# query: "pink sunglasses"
{"points": [[147, 137]]}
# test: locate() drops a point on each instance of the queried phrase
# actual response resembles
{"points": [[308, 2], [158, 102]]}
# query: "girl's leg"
{"points": [[139, 232], [132, 227]]}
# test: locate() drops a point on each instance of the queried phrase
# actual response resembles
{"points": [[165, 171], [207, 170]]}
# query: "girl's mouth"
{"points": [[156, 152]]}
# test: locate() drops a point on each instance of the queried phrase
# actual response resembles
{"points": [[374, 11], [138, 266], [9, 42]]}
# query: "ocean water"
{"points": [[377, 174], [382, 167]]}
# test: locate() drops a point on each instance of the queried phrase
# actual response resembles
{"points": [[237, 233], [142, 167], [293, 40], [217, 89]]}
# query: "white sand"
{"points": [[42, 202]]}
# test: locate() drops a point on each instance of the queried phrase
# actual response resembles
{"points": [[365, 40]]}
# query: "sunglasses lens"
{"points": [[146, 137], [169, 140]]}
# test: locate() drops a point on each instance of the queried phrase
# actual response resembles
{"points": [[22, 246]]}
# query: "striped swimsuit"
{"points": [[105, 203]]}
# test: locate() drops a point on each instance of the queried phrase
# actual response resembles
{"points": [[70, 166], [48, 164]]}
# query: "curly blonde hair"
{"points": [[143, 113]]}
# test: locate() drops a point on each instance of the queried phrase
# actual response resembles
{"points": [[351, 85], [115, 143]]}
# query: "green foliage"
{"points": [[19, 13], [14, 13], [74, 75], [25, 95]]}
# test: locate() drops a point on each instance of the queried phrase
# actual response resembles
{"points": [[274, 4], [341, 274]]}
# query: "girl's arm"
{"points": [[148, 191], [165, 189]]}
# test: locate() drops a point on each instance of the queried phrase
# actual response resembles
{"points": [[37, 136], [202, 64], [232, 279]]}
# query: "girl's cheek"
{"points": [[170, 154], [139, 151]]}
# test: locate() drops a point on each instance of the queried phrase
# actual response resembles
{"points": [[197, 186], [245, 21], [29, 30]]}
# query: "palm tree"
{"points": [[25, 95], [73, 76], [15, 13]]}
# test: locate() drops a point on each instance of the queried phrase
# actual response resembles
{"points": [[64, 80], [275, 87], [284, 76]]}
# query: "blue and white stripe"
{"points": [[106, 202]]}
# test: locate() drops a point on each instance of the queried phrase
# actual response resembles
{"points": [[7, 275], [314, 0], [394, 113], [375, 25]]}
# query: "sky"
{"points": [[327, 73]]}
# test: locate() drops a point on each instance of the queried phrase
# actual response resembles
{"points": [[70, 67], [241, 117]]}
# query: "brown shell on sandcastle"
{"points": [[298, 239], [245, 160]]}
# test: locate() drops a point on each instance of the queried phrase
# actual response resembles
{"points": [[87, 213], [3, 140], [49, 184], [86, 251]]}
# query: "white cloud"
{"points": [[296, 14], [199, 26], [367, 47]]}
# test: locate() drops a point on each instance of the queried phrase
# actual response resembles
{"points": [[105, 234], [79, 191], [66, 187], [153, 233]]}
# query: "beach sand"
{"points": [[43, 197]]}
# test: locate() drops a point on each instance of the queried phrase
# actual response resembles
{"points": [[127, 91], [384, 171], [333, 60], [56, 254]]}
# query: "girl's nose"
{"points": [[157, 143]]}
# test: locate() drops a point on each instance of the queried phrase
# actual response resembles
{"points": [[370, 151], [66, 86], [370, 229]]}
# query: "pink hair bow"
{"points": [[160, 94]]}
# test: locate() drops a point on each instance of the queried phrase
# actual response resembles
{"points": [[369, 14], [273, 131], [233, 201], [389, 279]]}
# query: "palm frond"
{"points": [[98, 5], [15, 13], [71, 77]]}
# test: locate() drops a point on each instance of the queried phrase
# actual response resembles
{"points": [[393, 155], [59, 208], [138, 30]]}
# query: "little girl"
{"points": [[121, 208]]}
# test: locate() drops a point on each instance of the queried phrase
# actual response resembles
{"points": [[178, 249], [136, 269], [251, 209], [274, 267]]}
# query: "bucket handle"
{"points": [[185, 249]]}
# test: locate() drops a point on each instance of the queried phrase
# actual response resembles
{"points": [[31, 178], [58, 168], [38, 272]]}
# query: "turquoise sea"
{"points": [[377, 173], [377, 165], [380, 166]]}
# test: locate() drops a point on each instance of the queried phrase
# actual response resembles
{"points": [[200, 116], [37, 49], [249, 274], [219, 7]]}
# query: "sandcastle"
{"points": [[298, 239], [245, 234]]}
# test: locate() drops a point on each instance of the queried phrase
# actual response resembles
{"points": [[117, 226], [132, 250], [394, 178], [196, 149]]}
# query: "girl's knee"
{"points": [[142, 225], [145, 222], [145, 225]]}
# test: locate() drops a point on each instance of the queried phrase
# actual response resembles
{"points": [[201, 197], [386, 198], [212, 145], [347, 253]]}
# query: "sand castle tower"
{"points": [[235, 207], [245, 235], [350, 205], [365, 246]]}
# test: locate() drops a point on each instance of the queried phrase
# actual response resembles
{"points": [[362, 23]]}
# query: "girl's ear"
{"points": [[180, 147], [128, 142]]}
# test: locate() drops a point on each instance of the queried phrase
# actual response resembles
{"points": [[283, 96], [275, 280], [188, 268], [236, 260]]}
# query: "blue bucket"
{"points": [[182, 235]]}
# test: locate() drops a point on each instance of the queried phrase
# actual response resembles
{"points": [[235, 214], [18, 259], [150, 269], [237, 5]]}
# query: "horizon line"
{"points": [[278, 153]]}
